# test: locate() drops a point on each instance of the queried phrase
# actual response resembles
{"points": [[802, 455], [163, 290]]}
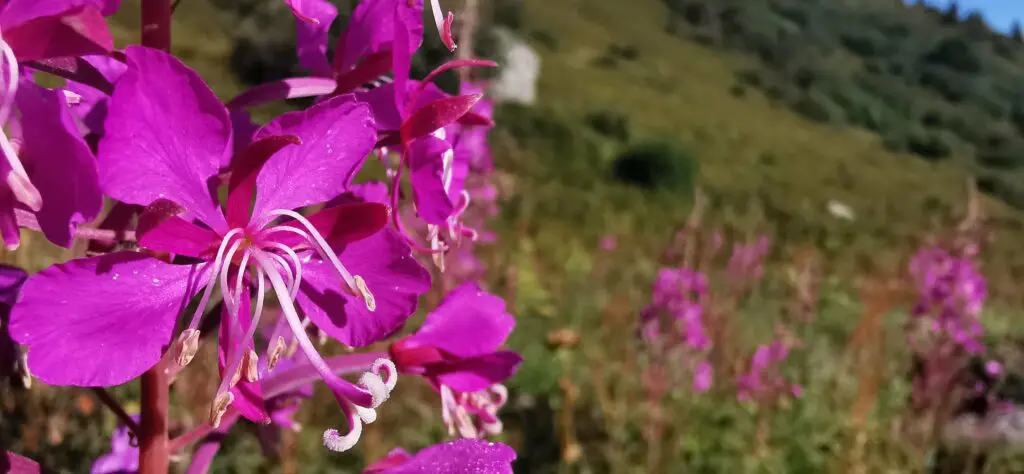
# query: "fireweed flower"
{"points": [[763, 380], [461, 456], [123, 456], [48, 171], [672, 325], [456, 351], [12, 361], [363, 52], [50, 177], [167, 137], [951, 294]]}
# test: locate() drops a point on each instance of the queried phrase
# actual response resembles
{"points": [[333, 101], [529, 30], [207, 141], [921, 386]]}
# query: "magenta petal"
{"points": [[425, 160], [382, 104], [337, 135], [93, 106], [468, 322], [437, 114], [342, 224], [161, 230], [76, 32], [478, 373], [462, 456], [123, 456], [408, 35], [395, 458], [371, 30], [245, 167], [61, 165], [391, 273], [17, 464], [167, 136], [100, 321], [292, 88], [312, 20], [244, 128]]}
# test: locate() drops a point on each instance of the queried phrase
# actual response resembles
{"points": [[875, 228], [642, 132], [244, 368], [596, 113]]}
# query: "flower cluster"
{"points": [[673, 324], [763, 381], [951, 293], [206, 205]]}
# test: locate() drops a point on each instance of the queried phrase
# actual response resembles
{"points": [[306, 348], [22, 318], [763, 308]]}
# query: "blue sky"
{"points": [[1000, 13]]}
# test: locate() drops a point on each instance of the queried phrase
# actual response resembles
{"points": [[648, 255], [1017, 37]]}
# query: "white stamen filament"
{"points": [[296, 263], [225, 273], [337, 384], [216, 268], [286, 272], [234, 358], [322, 247]]}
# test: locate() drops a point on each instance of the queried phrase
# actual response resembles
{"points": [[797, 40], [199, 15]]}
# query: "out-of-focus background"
{"points": [[641, 134]]}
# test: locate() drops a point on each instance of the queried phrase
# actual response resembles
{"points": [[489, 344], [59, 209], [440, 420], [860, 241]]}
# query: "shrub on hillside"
{"points": [[932, 146], [657, 165], [955, 53], [610, 124]]}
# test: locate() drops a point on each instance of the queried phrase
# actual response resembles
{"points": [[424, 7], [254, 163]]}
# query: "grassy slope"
{"points": [[747, 147]]}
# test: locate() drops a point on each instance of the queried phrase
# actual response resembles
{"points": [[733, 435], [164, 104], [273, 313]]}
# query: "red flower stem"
{"points": [[156, 24], [107, 399], [153, 444]]}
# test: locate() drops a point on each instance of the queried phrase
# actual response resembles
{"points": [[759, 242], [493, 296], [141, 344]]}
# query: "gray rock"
{"points": [[520, 70]]}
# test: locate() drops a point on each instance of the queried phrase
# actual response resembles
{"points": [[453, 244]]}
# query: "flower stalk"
{"points": [[153, 443]]}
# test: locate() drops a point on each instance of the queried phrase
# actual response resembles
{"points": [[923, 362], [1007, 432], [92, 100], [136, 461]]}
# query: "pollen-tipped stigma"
{"points": [[187, 346], [380, 380], [219, 407]]}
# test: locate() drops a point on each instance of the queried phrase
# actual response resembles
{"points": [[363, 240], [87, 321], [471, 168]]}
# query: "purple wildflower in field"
{"points": [[354, 280], [457, 352], [951, 294], [673, 323], [461, 456], [763, 379], [123, 457]]}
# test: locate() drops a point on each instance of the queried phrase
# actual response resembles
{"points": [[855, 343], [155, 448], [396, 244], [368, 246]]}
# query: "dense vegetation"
{"points": [[935, 83]]}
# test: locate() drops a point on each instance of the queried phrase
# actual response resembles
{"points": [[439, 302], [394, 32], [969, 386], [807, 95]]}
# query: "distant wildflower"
{"points": [[123, 456], [763, 380], [673, 323], [951, 294], [609, 243]]}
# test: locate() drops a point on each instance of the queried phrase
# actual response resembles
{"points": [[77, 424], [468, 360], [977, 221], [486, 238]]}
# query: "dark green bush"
{"points": [[657, 165], [929, 145], [955, 53], [508, 13], [818, 107], [610, 124]]}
